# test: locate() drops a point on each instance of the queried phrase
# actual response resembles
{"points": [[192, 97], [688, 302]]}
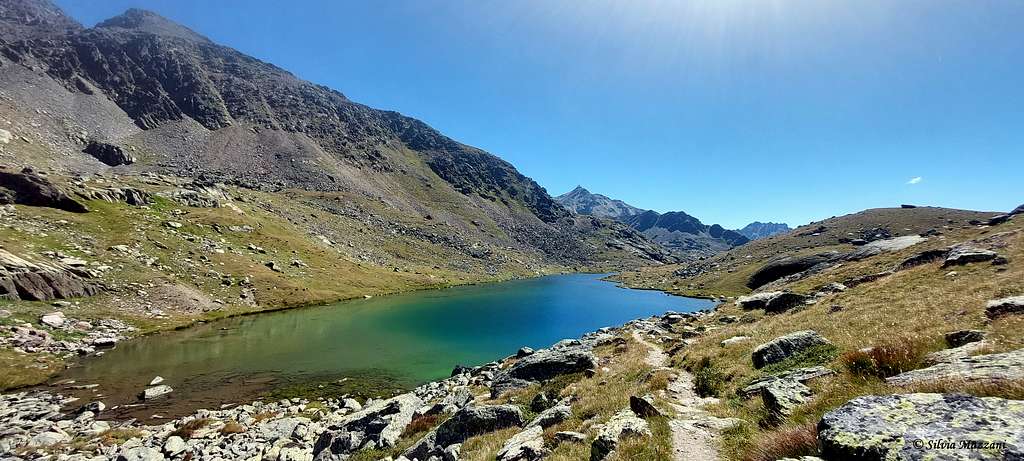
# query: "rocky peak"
{"points": [[25, 19], [139, 20]]}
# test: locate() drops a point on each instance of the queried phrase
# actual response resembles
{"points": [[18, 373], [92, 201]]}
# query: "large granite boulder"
{"points": [[622, 424], [801, 375], [908, 426], [782, 396], [29, 188], [1005, 306], [381, 422], [783, 347], [467, 422], [1008, 366], [772, 302], [924, 257]]}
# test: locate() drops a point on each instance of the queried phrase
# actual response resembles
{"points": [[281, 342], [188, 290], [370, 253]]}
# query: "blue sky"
{"points": [[729, 110]]}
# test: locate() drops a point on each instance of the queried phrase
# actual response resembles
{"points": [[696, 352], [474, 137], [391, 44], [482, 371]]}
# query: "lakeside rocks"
{"points": [[801, 375], [527, 445], [964, 254], [467, 422], [622, 424], [900, 426], [786, 346], [377, 425], [565, 357], [81, 338]]}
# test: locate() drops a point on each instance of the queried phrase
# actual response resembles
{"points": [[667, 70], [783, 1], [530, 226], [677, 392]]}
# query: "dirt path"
{"points": [[694, 431]]}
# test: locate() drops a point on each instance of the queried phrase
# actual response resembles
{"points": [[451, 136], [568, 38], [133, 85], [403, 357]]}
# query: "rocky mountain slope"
{"points": [[582, 201], [685, 235], [759, 230], [144, 94]]}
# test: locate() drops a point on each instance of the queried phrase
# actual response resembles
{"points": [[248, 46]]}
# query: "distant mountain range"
{"points": [[676, 230]]}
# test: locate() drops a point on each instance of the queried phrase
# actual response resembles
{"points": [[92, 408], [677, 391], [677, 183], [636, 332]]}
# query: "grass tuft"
{"points": [[888, 359]]}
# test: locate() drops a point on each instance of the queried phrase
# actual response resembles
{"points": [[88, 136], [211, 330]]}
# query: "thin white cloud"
{"points": [[914, 180]]}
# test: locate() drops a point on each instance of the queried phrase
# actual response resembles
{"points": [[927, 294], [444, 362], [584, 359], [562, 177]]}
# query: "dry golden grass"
{"points": [[232, 427], [186, 430]]}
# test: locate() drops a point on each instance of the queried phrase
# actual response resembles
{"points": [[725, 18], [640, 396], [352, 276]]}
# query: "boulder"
{"points": [[551, 416], [960, 337], [801, 375], [174, 445], [155, 392], [782, 396], [644, 406], [549, 363], [622, 424], [963, 254], [955, 353], [29, 188], [787, 266], [786, 346], [1007, 366], [734, 340], [108, 153], [1005, 306], [1017, 211], [53, 319], [888, 245], [570, 436], [772, 302], [924, 257], [22, 279], [527, 445], [380, 422], [902, 426], [467, 422], [140, 454]]}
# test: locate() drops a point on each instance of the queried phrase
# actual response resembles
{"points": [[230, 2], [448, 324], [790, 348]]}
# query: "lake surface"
{"points": [[398, 341]]}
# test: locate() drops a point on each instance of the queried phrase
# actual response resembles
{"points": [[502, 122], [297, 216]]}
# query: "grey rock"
{"points": [[772, 302], [155, 392], [523, 352], [734, 340], [782, 396], [800, 375], [140, 454], [955, 353], [960, 337], [963, 254], [380, 423], [527, 445], [22, 279], [174, 445], [551, 416], [570, 436], [549, 363], [504, 383], [1012, 305], [786, 346], [885, 246], [467, 422], [31, 189], [644, 406], [1007, 366], [623, 423], [109, 154], [46, 439], [900, 426]]}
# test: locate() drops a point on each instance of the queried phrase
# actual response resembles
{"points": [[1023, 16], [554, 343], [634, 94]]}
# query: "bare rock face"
{"points": [[109, 154], [788, 266], [1008, 366], [21, 279], [801, 375], [29, 188], [543, 365], [902, 426], [782, 396], [786, 346]]}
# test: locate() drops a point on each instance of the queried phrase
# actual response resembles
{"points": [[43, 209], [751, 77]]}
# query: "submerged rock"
{"points": [[772, 302], [783, 347], [961, 255], [467, 422], [380, 423], [901, 427]]}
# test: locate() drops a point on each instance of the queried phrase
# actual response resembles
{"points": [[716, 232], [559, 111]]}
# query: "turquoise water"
{"points": [[401, 340]]}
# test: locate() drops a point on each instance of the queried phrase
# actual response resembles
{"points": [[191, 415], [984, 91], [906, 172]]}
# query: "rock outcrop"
{"points": [[787, 266], [527, 445], [108, 153], [783, 347], [908, 426], [29, 188], [1005, 306], [782, 396], [21, 279], [772, 302], [963, 254], [1007, 366]]}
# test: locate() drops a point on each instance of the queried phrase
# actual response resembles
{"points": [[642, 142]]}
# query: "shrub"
{"points": [[232, 427], [708, 381], [786, 442], [422, 423], [810, 357], [887, 359]]}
